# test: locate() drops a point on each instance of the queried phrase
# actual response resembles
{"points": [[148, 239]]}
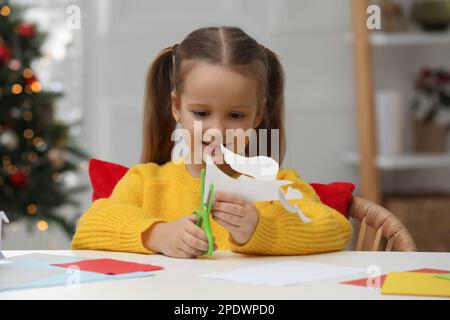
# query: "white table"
{"points": [[180, 279]]}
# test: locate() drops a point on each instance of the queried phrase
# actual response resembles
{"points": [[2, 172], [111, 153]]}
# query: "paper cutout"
{"points": [[261, 186], [363, 281], [109, 266], [415, 283], [443, 276], [283, 273]]}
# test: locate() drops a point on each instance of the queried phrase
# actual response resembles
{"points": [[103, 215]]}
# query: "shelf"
{"points": [[403, 162], [384, 39]]}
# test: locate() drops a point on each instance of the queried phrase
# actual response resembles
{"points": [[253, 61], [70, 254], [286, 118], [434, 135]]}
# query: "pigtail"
{"points": [[274, 111], [158, 122]]}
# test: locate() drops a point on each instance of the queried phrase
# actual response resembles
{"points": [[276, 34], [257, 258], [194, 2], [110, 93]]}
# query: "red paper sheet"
{"points": [[363, 282], [109, 266]]}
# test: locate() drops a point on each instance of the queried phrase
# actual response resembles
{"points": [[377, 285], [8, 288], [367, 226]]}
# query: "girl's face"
{"points": [[219, 98]]}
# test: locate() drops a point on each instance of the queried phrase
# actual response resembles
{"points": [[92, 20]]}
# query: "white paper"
{"points": [[4, 261], [261, 186], [284, 273]]}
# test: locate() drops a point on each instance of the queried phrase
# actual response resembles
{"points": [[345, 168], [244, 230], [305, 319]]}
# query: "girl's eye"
{"points": [[237, 115], [201, 113]]}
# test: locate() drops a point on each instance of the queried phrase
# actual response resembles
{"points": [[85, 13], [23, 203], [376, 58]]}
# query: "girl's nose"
{"points": [[217, 126]]}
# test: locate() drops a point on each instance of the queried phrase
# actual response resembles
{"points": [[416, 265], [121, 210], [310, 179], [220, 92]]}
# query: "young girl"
{"points": [[225, 79]]}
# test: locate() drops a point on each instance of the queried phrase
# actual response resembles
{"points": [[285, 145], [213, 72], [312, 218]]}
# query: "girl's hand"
{"points": [[235, 214], [181, 238]]}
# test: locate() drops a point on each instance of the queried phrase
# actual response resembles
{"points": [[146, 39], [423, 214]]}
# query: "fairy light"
{"points": [[28, 90], [28, 133], [32, 156], [42, 225], [57, 177], [38, 141], [16, 88], [12, 169], [31, 208], [36, 86], [27, 73], [5, 10], [27, 116]]}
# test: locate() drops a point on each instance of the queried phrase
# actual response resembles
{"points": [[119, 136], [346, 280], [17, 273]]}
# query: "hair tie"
{"points": [[174, 48]]}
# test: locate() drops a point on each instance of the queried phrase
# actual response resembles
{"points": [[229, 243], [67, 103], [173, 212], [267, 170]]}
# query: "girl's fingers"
{"points": [[229, 218], [193, 218], [189, 249], [195, 243], [180, 253], [228, 197], [196, 231], [226, 225], [228, 207]]}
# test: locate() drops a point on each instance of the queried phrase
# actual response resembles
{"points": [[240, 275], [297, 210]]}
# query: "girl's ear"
{"points": [[176, 106]]}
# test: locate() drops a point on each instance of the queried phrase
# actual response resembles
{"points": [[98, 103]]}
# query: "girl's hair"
{"points": [[227, 46]]}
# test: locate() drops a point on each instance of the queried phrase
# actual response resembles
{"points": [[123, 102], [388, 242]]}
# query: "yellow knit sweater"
{"points": [[149, 193]]}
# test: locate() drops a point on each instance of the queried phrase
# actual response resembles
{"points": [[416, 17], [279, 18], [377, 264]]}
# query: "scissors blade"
{"points": [[208, 199]]}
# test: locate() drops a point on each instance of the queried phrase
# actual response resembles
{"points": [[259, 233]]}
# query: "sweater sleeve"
{"points": [[280, 232], [116, 223]]}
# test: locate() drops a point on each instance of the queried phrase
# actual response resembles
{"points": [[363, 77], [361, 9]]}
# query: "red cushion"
{"points": [[336, 195], [105, 175]]}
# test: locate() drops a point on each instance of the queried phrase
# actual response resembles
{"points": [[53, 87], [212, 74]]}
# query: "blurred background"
{"points": [[376, 114]]}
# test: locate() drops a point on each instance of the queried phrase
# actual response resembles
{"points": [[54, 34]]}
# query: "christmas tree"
{"points": [[36, 149]]}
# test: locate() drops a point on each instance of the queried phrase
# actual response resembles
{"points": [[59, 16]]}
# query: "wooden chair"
{"points": [[384, 222]]}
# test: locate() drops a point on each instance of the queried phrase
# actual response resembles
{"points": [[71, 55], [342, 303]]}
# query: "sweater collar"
{"points": [[183, 176]]}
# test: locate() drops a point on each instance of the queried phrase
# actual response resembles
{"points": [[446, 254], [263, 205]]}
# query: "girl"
{"points": [[223, 78]]}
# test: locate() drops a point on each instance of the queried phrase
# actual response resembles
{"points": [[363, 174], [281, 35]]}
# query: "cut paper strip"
{"points": [[70, 279], [363, 281], [109, 266], [415, 283], [4, 261], [283, 273], [443, 276]]}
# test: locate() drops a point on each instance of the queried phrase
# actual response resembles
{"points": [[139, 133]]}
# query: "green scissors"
{"points": [[204, 211]]}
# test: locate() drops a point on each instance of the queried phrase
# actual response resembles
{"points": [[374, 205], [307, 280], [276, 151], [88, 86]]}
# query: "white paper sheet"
{"points": [[284, 273]]}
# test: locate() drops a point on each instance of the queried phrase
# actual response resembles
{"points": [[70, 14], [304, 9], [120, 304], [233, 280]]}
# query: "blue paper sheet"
{"points": [[70, 278]]}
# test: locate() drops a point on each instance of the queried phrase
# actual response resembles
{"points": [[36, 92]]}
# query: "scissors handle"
{"points": [[203, 213]]}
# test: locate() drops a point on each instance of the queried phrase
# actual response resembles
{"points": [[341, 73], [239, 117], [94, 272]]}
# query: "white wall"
{"points": [[308, 36]]}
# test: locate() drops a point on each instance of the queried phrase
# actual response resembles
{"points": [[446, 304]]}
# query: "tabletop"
{"points": [[181, 279]]}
